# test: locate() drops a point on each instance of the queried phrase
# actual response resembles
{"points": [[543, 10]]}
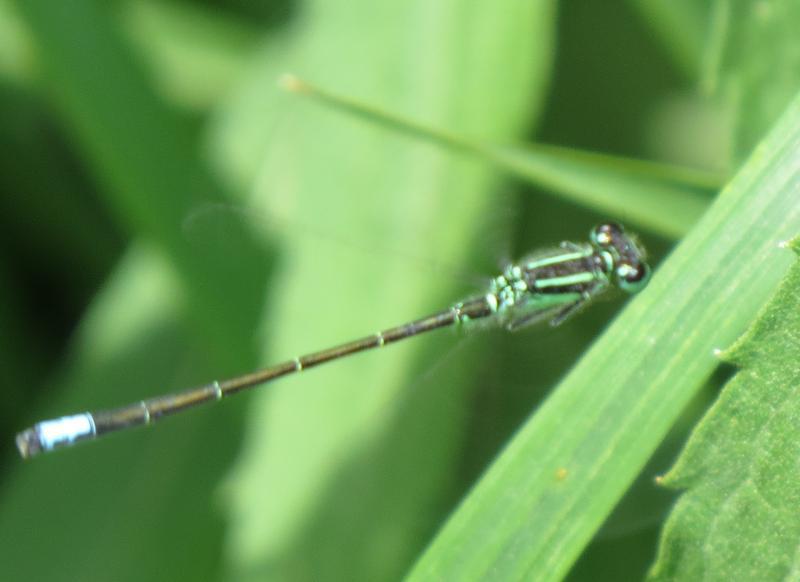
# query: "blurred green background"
{"points": [[170, 216]]}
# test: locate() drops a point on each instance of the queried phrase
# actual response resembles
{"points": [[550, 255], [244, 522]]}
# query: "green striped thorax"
{"points": [[556, 283]]}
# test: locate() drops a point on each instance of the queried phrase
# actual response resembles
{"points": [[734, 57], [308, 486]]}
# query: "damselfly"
{"points": [[547, 285]]}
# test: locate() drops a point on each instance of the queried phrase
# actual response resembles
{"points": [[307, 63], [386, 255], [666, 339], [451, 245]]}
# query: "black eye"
{"points": [[605, 234], [612, 228], [633, 278], [636, 274]]}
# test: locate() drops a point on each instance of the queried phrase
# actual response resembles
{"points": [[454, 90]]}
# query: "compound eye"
{"points": [[605, 234], [633, 278]]}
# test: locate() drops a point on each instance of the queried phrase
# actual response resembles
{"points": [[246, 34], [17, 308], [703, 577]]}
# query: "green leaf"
{"points": [[664, 199], [539, 504], [738, 518]]}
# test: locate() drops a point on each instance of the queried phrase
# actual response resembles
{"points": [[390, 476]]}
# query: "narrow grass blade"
{"points": [[664, 199], [536, 508]]}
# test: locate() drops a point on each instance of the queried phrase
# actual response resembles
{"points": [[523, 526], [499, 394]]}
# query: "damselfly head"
{"points": [[627, 264]]}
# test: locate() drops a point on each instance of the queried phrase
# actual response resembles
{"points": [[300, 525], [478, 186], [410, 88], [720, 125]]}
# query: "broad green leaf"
{"points": [[738, 517], [347, 469], [755, 60], [665, 199], [539, 504]]}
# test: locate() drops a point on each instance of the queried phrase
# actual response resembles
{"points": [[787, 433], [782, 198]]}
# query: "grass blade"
{"points": [[664, 199], [542, 500]]}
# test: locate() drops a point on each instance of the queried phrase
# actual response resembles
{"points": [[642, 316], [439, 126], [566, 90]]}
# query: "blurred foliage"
{"points": [[170, 216]]}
